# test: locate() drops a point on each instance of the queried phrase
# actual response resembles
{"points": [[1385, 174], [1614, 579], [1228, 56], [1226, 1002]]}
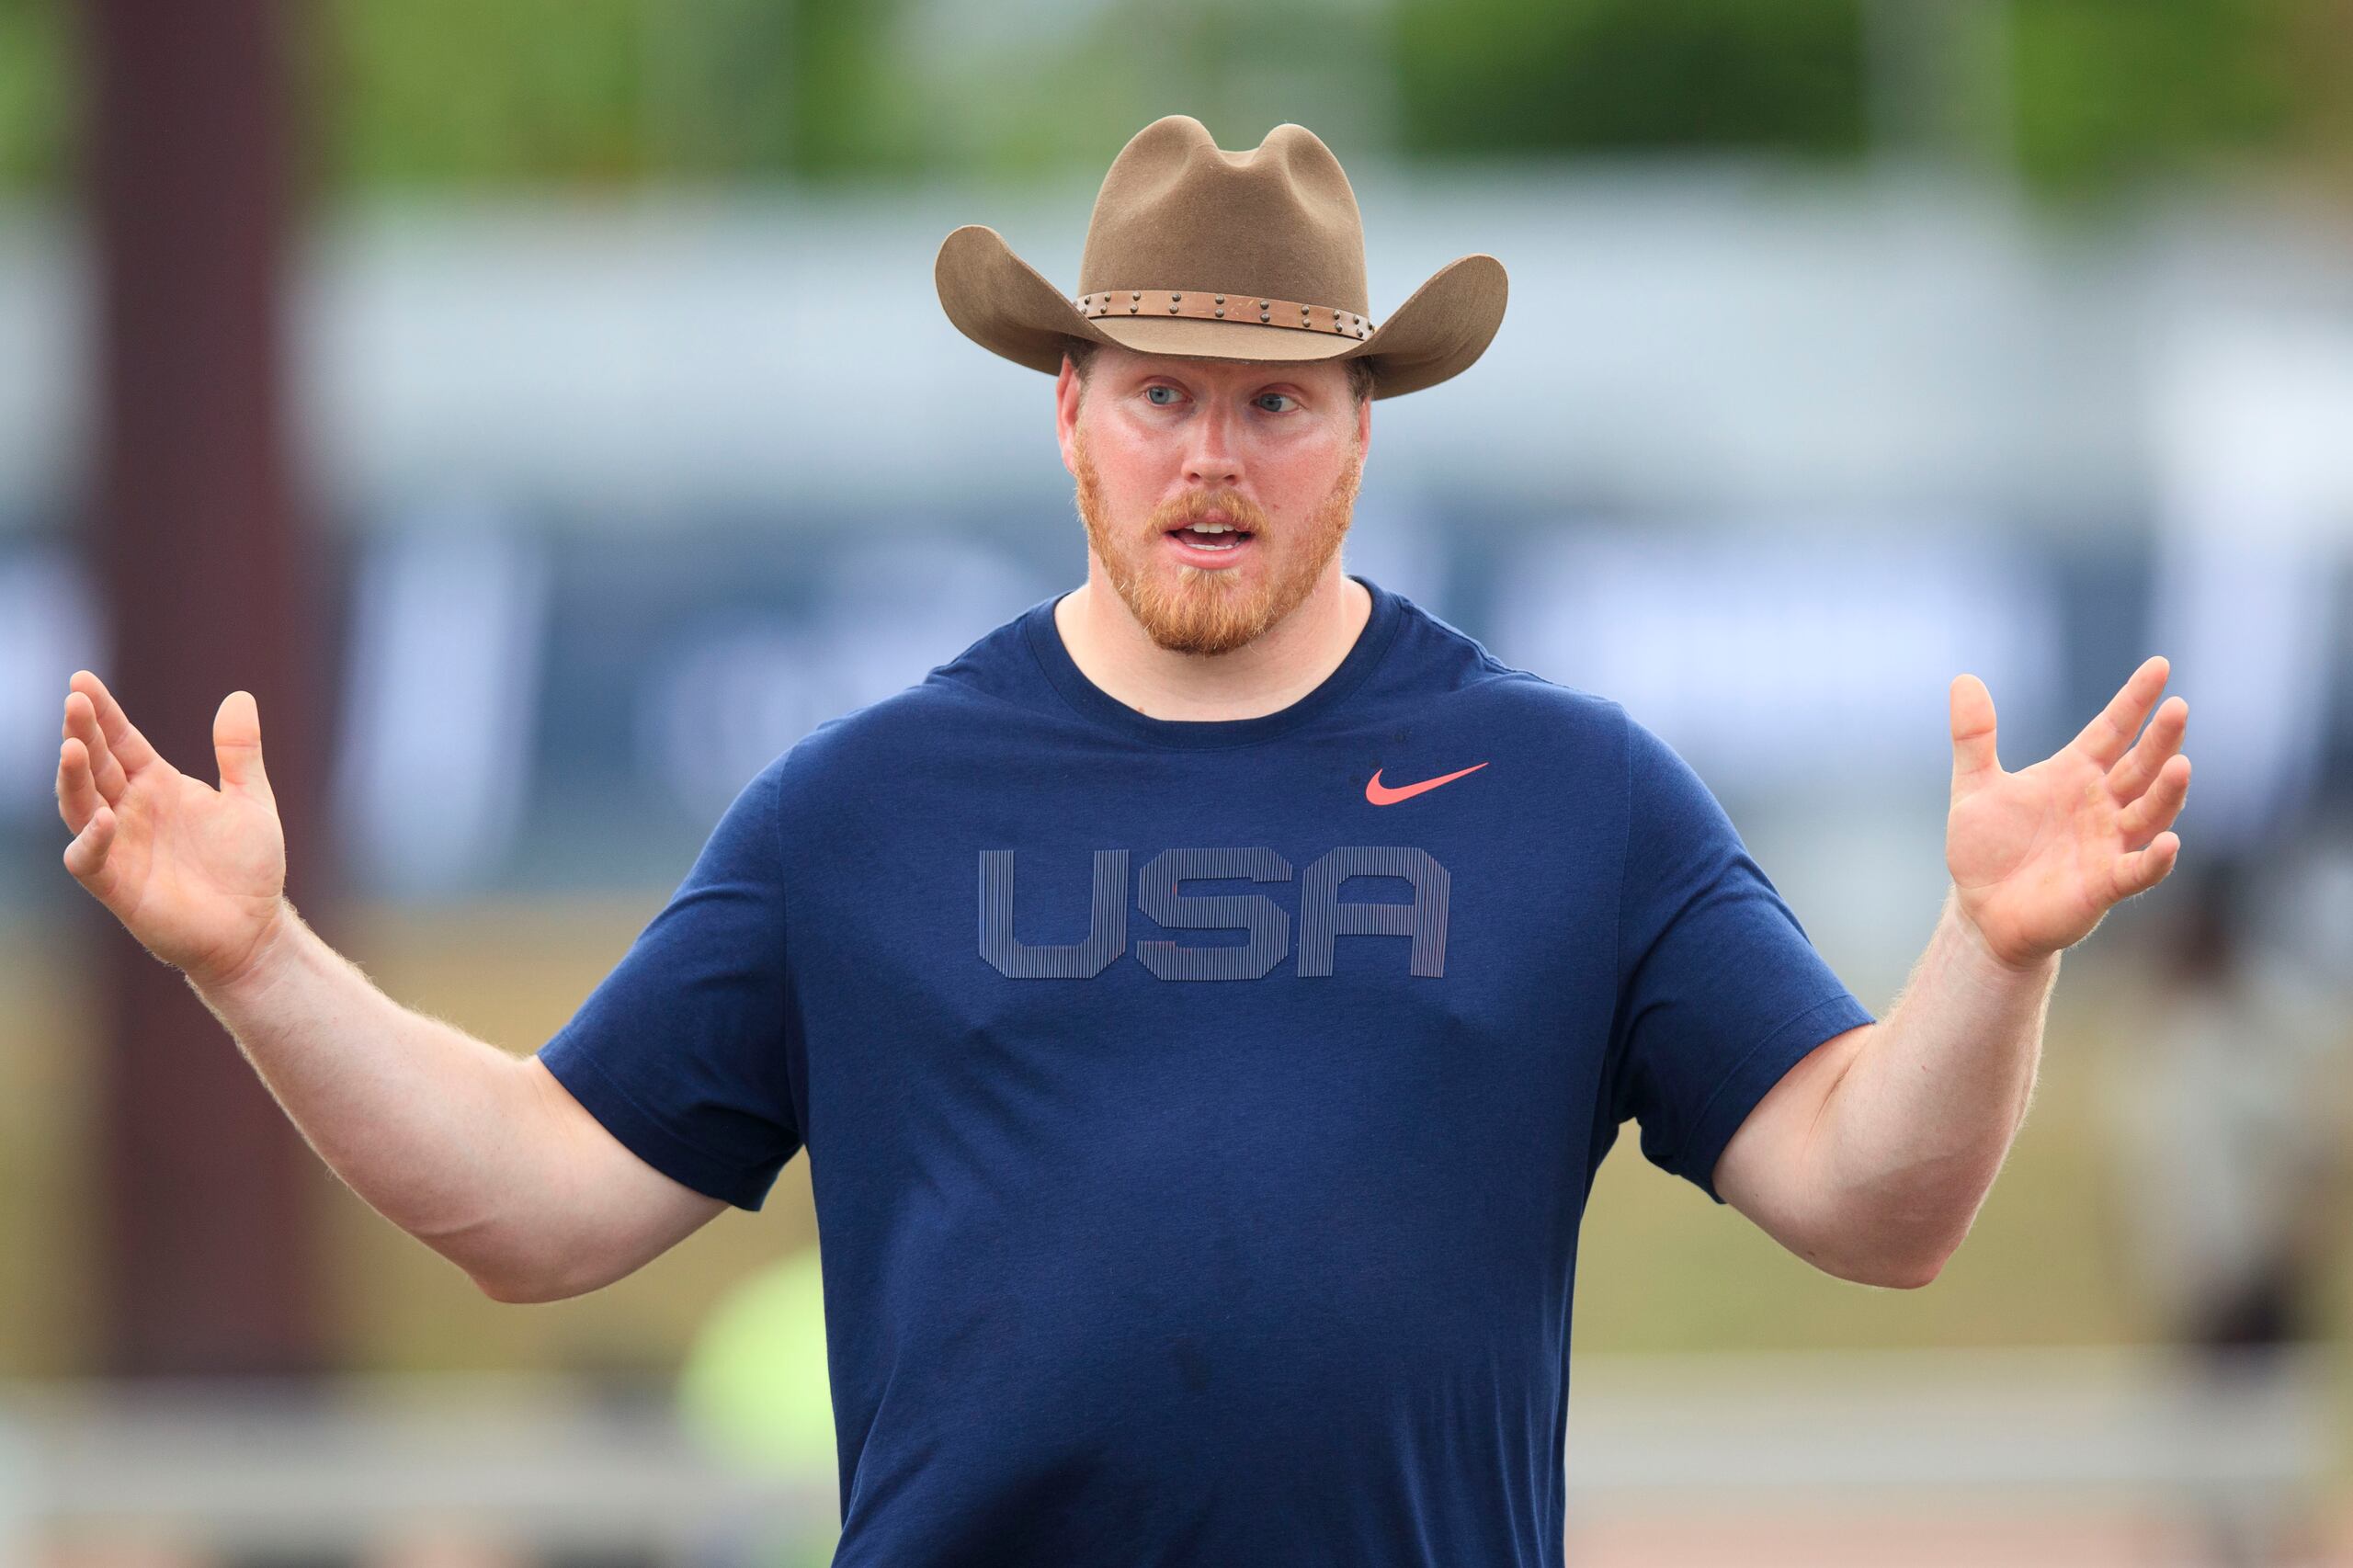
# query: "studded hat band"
{"points": [[1246, 308]]}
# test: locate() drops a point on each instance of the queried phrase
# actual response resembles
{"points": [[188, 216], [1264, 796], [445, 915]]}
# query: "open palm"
{"points": [[2038, 856], [192, 871]]}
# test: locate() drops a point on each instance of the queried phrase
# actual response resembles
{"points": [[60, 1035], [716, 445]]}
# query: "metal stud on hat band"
{"points": [[1327, 319]]}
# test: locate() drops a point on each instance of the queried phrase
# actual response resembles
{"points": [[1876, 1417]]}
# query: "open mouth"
{"points": [[1209, 543]]}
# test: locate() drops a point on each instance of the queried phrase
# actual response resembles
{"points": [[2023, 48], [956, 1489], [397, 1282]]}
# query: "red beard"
{"points": [[1205, 611]]}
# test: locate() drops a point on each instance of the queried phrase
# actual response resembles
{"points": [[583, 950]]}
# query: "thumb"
{"points": [[1972, 734], [236, 742]]}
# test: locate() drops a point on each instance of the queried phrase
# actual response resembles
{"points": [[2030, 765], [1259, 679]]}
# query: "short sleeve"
{"points": [[681, 1051], [1720, 991]]}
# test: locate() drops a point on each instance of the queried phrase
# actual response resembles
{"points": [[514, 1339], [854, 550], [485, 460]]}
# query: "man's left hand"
{"points": [[2040, 856]]}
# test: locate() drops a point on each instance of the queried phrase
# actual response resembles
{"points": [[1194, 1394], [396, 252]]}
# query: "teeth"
{"points": [[1212, 527]]}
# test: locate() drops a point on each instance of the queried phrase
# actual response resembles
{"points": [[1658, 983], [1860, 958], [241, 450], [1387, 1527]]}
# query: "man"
{"points": [[1224, 1222]]}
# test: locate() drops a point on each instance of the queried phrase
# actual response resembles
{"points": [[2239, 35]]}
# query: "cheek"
{"points": [[1132, 471], [1293, 483]]}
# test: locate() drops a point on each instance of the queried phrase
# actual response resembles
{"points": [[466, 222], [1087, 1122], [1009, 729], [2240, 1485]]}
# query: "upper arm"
{"points": [[1765, 1171], [672, 1086], [618, 1212]]}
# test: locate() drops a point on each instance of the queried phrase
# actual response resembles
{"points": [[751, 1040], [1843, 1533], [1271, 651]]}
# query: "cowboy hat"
{"points": [[1206, 253]]}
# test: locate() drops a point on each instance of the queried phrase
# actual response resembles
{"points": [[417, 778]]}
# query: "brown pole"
{"points": [[210, 581]]}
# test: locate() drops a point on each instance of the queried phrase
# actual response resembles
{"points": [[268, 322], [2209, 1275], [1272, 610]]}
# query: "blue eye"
{"points": [[1151, 393], [1264, 396]]}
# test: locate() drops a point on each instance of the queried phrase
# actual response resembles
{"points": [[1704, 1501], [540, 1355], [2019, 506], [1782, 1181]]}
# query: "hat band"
{"points": [[1247, 309]]}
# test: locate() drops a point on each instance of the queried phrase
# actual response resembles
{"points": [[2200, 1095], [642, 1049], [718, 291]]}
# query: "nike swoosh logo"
{"points": [[1381, 794]]}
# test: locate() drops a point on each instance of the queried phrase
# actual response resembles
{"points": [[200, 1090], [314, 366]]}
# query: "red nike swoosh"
{"points": [[1381, 794]]}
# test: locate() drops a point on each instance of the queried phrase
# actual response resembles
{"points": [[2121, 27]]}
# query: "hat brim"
{"points": [[1008, 308]]}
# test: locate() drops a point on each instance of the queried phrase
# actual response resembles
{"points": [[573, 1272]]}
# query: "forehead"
{"points": [[1113, 359]]}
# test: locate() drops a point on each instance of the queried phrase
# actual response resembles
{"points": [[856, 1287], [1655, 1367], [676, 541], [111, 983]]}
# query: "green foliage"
{"points": [[1592, 75], [603, 92], [491, 94], [36, 101], [2112, 91], [849, 111], [437, 91]]}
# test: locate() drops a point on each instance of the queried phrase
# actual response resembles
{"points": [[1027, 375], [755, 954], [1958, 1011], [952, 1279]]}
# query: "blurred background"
{"points": [[545, 410]]}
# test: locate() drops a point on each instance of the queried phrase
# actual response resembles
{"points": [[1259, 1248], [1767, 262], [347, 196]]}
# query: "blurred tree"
{"points": [[2093, 94], [454, 92], [204, 546], [1938, 87], [1058, 85], [1591, 75], [35, 104], [2108, 92], [851, 107]]}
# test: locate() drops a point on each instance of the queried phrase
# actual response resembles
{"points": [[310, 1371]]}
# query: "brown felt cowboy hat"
{"points": [[1199, 252]]}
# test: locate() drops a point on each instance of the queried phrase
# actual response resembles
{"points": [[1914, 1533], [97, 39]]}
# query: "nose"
{"points": [[1211, 458]]}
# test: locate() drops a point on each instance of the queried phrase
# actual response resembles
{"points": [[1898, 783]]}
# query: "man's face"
{"points": [[1157, 444]]}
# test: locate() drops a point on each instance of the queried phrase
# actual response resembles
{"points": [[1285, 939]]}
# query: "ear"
{"points": [[1066, 413], [1364, 428]]}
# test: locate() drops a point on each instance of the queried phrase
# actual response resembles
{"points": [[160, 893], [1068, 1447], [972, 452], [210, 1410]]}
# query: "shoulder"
{"points": [[983, 675], [1480, 685], [1597, 753], [870, 742], [860, 760]]}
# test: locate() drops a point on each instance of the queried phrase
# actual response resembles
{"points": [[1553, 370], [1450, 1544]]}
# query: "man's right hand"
{"points": [[196, 874], [484, 1157]]}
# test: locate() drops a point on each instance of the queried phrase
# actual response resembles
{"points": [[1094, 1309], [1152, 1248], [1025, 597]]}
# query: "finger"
{"points": [[2155, 811], [2104, 738], [1974, 755], [2163, 738], [86, 856], [129, 747], [236, 742], [78, 798], [82, 724], [2141, 870]]}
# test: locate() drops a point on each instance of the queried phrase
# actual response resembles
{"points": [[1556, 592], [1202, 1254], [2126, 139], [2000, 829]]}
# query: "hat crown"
{"points": [[1177, 211]]}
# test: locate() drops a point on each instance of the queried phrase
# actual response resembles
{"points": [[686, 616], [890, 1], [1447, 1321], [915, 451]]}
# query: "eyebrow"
{"points": [[1286, 387]]}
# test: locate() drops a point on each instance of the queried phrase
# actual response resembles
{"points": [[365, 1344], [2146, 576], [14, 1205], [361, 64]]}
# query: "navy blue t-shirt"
{"points": [[1199, 1114]]}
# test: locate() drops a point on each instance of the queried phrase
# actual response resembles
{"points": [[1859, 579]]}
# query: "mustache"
{"points": [[1195, 505]]}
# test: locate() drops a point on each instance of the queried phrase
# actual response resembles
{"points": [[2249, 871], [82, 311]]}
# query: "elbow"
{"points": [[531, 1287], [1890, 1248], [1911, 1278], [1902, 1271], [505, 1263], [537, 1285], [512, 1289], [1885, 1267], [510, 1276], [497, 1270], [1883, 1276]]}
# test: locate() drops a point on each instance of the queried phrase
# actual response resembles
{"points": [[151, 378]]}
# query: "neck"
{"points": [[1292, 658]]}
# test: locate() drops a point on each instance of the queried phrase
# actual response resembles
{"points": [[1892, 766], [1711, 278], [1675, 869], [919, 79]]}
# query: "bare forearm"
{"points": [[1912, 1133], [434, 1128]]}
